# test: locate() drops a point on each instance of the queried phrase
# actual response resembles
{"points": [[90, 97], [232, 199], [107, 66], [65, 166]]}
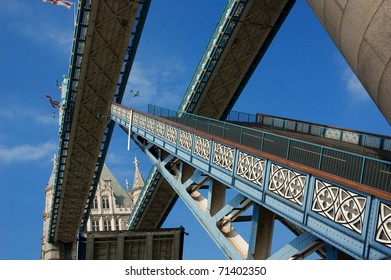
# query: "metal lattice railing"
{"points": [[355, 167], [320, 133]]}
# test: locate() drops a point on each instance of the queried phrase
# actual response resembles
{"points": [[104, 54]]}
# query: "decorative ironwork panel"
{"points": [[291, 125], [251, 168], [202, 147], [383, 230], [150, 125], [333, 133], [142, 121], [159, 129], [278, 123], [223, 156], [287, 183], [136, 118], [171, 134], [351, 137], [387, 144], [185, 140], [372, 141], [339, 205]]}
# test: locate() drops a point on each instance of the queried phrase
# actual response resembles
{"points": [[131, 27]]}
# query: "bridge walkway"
{"points": [[242, 36], [334, 199], [364, 143]]}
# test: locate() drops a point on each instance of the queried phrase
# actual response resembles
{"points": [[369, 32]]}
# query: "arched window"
{"points": [[105, 202], [107, 225], [95, 204], [95, 225]]}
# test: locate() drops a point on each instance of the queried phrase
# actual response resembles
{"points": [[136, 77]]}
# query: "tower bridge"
{"points": [[336, 201], [319, 202]]}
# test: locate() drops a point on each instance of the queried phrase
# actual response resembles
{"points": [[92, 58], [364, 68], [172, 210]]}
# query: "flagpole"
{"points": [[130, 128]]}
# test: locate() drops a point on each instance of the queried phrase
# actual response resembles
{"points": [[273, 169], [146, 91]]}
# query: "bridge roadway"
{"points": [[202, 158], [98, 73], [233, 53], [105, 41], [359, 142], [241, 38]]}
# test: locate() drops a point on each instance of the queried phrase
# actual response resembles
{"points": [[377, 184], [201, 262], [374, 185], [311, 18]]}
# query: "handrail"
{"points": [[361, 169], [341, 135]]}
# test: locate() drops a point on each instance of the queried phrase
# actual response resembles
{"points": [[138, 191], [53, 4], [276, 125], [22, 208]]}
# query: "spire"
{"points": [[138, 182], [51, 179], [136, 162], [127, 185]]}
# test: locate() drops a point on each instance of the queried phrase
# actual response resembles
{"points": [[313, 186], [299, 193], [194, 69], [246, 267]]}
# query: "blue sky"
{"points": [[302, 76]]}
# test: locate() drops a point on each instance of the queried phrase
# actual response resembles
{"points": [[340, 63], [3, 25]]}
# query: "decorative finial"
{"points": [[127, 185], [54, 160], [136, 162]]}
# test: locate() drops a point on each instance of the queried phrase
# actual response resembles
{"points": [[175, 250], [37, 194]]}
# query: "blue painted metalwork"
{"points": [[355, 167], [378, 143], [258, 57], [207, 221], [67, 116], [80, 32], [294, 248], [219, 40], [338, 213], [226, 26]]}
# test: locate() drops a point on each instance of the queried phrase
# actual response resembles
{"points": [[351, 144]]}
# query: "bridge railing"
{"points": [[355, 167], [321, 133]]}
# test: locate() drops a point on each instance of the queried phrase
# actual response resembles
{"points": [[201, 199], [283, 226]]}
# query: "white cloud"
{"points": [[37, 26], [14, 113], [44, 33], [46, 119], [157, 83], [354, 87], [7, 114], [115, 159], [26, 152]]}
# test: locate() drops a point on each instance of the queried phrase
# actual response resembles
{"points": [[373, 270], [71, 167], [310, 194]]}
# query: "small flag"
{"points": [[55, 104], [64, 3]]}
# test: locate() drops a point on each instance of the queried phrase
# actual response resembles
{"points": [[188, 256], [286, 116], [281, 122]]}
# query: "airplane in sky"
{"points": [[135, 94]]}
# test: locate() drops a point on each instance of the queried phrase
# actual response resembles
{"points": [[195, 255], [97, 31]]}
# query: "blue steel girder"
{"points": [[219, 223], [80, 80], [351, 217], [241, 38]]}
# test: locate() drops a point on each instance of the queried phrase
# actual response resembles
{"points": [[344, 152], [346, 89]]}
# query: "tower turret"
{"points": [[138, 182]]}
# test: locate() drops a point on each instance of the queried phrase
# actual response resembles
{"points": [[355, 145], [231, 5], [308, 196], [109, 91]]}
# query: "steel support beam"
{"points": [[262, 233], [347, 215], [302, 246]]}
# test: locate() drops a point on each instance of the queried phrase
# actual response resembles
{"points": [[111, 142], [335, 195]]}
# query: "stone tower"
{"points": [[110, 208], [112, 204], [138, 182], [49, 251]]}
